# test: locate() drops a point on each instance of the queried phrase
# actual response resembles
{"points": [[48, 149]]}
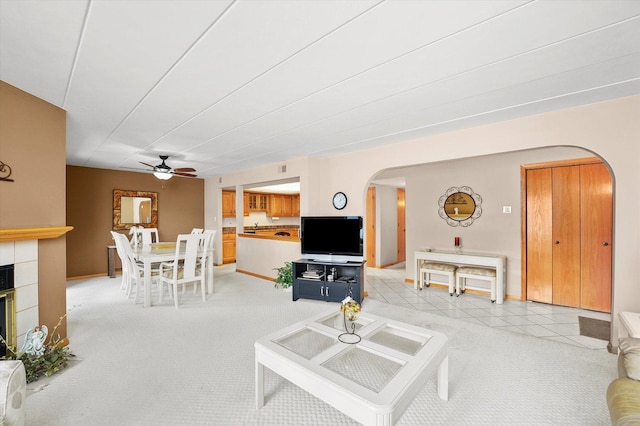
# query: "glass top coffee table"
{"points": [[372, 381]]}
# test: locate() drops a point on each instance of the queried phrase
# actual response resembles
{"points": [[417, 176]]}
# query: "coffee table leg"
{"points": [[259, 385], [443, 379]]}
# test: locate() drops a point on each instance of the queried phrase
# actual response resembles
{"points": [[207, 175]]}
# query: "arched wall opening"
{"points": [[495, 177]]}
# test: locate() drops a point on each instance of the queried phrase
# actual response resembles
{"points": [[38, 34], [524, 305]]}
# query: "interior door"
{"points": [[401, 232], [371, 227], [596, 237], [566, 235], [539, 250]]}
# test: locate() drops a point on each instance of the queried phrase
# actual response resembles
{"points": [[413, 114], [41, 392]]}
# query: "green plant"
{"points": [[285, 275], [55, 357]]}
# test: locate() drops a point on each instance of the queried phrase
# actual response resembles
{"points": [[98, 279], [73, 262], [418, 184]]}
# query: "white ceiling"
{"points": [[224, 85]]}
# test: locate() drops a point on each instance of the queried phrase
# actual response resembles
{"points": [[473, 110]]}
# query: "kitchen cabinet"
{"points": [[342, 275], [275, 205], [284, 205], [246, 203], [295, 201], [228, 247], [228, 203], [258, 202]]}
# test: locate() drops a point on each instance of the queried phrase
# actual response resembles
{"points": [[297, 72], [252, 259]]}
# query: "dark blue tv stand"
{"points": [[310, 280]]}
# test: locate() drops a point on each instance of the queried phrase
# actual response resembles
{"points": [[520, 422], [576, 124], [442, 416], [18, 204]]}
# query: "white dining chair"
{"points": [[119, 239], [212, 237], [196, 231], [210, 244], [190, 270], [145, 236], [135, 269], [127, 273], [134, 240]]}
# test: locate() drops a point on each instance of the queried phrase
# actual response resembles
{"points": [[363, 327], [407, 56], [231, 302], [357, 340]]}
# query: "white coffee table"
{"points": [[372, 381]]}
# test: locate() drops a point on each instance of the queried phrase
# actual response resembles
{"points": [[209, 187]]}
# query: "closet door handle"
{"points": [[557, 242], [605, 244]]}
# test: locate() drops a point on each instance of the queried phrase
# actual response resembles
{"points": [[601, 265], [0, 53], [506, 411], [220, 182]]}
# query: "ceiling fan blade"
{"points": [[148, 165], [184, 169], [138, 169], [184, 174]]}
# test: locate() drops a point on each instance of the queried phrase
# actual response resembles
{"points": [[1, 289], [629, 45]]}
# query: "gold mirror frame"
{"points": [[117, 206], [459, 198]]}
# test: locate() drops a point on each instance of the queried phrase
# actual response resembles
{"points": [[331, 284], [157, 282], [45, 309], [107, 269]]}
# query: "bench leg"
{"points": [[427, 281], [493, 290], [460, 286]]}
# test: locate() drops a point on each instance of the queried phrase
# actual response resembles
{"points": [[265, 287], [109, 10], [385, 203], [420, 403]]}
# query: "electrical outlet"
{"points": [[506, 209]]}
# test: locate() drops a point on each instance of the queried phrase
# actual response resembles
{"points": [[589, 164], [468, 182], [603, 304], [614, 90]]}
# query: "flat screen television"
{"points": [[331, 235]]}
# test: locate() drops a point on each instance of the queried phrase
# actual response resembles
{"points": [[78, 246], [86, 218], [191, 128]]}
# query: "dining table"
{"points": [[149, 254]]}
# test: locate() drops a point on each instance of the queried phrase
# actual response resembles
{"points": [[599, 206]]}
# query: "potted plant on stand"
{"points": [[285, 276]]}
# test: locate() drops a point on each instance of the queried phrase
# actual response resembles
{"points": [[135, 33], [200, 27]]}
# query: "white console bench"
{"points": [[461, 258]]}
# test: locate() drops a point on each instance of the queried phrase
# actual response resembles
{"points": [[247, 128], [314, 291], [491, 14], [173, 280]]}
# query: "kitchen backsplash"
{"points": [[261, 219]]}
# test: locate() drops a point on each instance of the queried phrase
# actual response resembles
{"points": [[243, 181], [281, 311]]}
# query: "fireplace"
{"points": [[18, 290], [19, 247], [7, 308]]}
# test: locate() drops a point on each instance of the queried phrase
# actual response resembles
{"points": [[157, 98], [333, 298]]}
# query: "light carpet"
{"points": [[195, 366]]}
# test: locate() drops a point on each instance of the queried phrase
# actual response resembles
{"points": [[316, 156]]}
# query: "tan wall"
{"points": [[33, 144], [90, 212]]}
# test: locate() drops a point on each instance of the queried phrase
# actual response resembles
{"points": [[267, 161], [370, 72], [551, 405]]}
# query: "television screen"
{"points": [[333, 235]]}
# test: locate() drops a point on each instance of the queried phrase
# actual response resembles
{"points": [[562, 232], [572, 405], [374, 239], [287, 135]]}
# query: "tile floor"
{"points": [[551, 322]]}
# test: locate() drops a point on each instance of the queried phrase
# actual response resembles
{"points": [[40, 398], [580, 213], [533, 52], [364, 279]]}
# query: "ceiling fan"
{"points": [[164, 172]]}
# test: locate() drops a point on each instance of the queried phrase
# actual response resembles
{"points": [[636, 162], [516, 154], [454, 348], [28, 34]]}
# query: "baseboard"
{"points": [[386, 265], [468, 290], [264, 277], [84, 277]]}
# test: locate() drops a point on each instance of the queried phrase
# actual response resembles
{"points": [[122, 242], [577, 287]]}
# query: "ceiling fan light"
{"points": [[162, 175]]}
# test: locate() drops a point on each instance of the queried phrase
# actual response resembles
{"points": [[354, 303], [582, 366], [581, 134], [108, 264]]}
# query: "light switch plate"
{"points": [[506, 209]]}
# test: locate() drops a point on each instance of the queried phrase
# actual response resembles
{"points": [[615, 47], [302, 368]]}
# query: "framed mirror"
{"points": [[460, 206], [139, 208]]}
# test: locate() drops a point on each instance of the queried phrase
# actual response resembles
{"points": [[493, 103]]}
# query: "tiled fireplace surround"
{"points": [[24, 256], [19, 247]]}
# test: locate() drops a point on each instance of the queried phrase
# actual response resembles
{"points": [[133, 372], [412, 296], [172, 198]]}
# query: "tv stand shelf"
{"points": [[351, 273]]}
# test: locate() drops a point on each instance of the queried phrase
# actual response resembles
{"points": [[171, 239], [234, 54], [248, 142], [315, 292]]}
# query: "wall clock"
{"points": [[339, 200]]}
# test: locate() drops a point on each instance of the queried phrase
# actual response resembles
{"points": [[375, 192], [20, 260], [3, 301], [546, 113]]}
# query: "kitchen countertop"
{"points": [[271, 237], [270, 227], [253, 229]]}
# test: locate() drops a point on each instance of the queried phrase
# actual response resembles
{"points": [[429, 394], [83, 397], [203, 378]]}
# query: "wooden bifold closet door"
{"points": [[569, 225], [596, 234]]}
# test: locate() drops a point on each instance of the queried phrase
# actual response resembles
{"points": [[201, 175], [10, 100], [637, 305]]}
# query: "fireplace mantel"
{"points": [[33, 233]]}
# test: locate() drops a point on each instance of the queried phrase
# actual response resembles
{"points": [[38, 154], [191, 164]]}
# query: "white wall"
{"points": [[609, 129], [272, 254]]}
